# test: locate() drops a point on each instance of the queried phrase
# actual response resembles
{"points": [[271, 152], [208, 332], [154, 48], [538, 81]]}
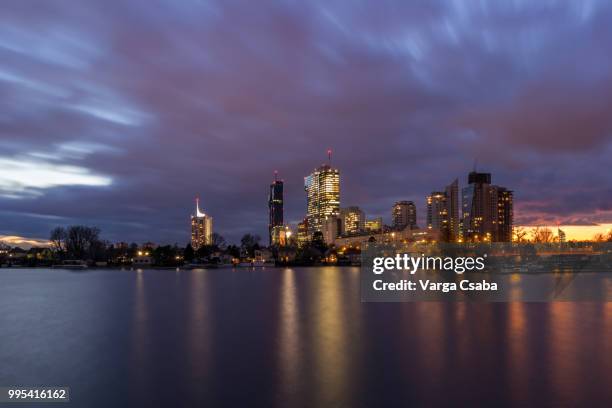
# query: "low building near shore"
{"points": [[142, 260], [406, 235]]}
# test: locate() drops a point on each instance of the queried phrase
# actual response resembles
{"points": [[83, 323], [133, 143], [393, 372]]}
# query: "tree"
{"points": [[78, 242], [58, 240], [166, 256], [249, 243], [205, 251], [218, 242], [132, 250], [234, 251], [98, 250], [542, 235], [188, 253], [4, 250], [308, 255], [599, 237], [318, 242], [520, 234]]}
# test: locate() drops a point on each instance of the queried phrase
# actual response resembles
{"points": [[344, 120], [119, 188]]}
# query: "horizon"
{"points": [[573, 233]]}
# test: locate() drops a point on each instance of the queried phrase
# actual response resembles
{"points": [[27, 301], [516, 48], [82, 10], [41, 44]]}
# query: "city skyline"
{"points": [[106, 125], [454, 194]]}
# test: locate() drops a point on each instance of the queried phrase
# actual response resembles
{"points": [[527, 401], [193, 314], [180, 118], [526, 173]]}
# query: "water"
{"points": [[290, 337]]}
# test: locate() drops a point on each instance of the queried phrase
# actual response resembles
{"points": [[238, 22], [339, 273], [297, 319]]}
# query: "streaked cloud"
{"points": [[22, 177], [144, 105], [23, 242]]}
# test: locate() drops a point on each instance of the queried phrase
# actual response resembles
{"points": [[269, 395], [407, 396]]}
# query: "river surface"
{"points": [[290, 337]]}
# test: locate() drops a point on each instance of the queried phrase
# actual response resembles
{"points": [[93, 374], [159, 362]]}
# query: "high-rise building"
{"points": [[503, 217], [443, 212], [352, 220], [487, 214], [403, 214], [323, 196], [452, 210], [275, 205], [201, 228], [476, 214], [437, 213]]}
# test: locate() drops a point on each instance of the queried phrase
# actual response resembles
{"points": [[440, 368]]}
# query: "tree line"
{"points": [[544, 235]]}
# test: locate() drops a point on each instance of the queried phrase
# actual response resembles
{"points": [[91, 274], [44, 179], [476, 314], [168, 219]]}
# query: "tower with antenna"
{"points": [[201, 227], [322, 188], [275, 206]]}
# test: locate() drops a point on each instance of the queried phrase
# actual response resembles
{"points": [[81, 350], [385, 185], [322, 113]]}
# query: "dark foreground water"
{"points": [[290, 337]]}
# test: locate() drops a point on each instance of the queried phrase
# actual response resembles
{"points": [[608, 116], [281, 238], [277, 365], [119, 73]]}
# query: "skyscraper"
{"points": [[323, 196], [275, 205], [443, 212], [487, 210], [452, 210], [437, 213], [201, 228], [503, 217], [403, 214], [476, 215]]}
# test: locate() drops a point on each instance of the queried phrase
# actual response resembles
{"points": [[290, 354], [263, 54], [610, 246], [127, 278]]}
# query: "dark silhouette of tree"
{"points": [[520, 234], [81, 240], [234, 251], [204, 251], [218, 242], [542, 235], [249, 243], [58, 241], [166, 256], [78, 242], [318, 242], [132, 250], [188, 253]]}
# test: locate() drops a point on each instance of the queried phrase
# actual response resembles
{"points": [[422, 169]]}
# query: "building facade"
{"points": [[487, 210], [331, 229], [407, 235], [404, 215], [281, 236], [374, 225], [275, 206], [303, 238], [443, 212], [437, 213], [352, 221], [201, 228], [452, 210], [504, 215], [323, 196]]}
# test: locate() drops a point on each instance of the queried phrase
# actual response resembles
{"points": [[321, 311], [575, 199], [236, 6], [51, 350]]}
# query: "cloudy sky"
{"points": [[118, 113]]}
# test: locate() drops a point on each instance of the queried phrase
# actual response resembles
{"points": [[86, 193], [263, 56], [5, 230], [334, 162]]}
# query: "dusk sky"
{"points": [[117, 114]]}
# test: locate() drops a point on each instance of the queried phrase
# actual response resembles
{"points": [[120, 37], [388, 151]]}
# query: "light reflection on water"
{"points": [[291, 337], [290, 348]]}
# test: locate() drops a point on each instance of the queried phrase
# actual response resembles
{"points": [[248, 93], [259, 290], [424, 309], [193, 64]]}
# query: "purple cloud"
{"points": [[166, 100]]}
